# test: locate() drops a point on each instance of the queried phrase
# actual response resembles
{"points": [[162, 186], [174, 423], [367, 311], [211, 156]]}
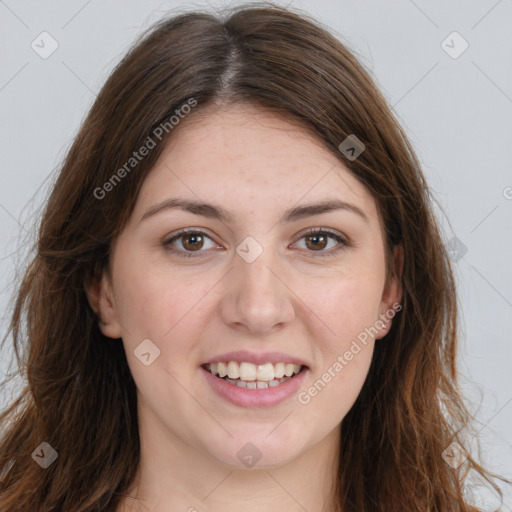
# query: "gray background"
{"points": [[456, 111]]}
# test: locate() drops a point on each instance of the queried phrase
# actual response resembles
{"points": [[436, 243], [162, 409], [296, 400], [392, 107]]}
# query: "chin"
{"points": [[258, 451]]}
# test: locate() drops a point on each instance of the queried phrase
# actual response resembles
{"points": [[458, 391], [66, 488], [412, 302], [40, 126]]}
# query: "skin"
{"points": [[290, 299]]}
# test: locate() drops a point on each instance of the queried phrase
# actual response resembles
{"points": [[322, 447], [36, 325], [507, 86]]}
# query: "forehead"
{"points": [[250, 159]]}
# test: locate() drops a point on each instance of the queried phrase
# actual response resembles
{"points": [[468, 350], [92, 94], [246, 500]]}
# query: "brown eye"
{"points": [[188, 243], [318, 241], [192, 241]]}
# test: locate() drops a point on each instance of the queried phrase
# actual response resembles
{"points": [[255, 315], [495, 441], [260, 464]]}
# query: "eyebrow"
{"points": [[212, 211]]}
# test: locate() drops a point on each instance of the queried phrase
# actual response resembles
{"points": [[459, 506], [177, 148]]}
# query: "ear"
{"points": [[101, 299], [392, 294]]}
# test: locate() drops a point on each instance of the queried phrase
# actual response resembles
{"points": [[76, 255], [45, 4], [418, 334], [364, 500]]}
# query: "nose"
{"points": [[256, 298]]}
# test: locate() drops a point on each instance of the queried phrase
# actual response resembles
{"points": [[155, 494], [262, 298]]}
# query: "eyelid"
{"points": [[167, 242], [343, 241]]}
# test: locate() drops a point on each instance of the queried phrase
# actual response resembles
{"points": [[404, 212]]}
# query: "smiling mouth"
{"points": [[251, 376]]}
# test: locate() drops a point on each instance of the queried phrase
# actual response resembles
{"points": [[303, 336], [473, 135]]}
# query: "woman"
{"points": [[240, 297]]}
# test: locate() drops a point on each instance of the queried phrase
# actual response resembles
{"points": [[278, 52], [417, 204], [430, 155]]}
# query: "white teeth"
{"points": [[255, 384], [265, 372], [288, 369], [233, 372], [279, 370], [247, 371], [222, 369], [250, 372]]}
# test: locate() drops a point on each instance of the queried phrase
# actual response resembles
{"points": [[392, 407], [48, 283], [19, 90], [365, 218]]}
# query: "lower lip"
{"points": [[244, 397]]}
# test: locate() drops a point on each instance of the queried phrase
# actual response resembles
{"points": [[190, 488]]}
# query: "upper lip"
{"points": [[257, 358]]}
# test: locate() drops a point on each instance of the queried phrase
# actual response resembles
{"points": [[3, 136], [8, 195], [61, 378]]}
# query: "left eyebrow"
{"points": [[307, 210], [217, 212]]}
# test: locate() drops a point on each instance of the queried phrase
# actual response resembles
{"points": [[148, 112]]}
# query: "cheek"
{"points": [[350, 373], [150, 300], [169, 310], [347, 307], [346, 304], [344, 350]]}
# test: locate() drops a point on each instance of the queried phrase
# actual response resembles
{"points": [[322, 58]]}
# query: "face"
{"points": [[253, 287]]}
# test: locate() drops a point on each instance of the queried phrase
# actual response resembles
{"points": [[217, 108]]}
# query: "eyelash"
{"points": [[191, 254]]}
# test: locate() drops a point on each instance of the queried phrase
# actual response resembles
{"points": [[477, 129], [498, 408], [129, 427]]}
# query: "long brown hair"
{"points": [[80, 397]]}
